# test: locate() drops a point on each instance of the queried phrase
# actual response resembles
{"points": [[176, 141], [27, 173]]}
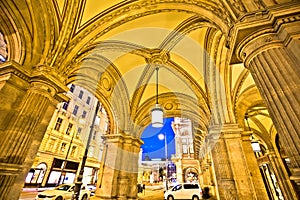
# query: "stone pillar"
{"points": [[107, 183], [135, 150], [285, 184], [232, 174], [124, 169], [118, 174], [275, 68], [179, 170], [206, 171], [27, 102], [253, 167]]}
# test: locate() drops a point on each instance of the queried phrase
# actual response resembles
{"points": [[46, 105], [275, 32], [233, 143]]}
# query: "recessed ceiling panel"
{"points": [[236, 71], [247, 83], [60, 4], [131, 67], [167, 82], [94, 7], [149, 31]]}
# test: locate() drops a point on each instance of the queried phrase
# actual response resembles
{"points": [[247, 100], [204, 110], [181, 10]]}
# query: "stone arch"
{"points": [[100, 81]]}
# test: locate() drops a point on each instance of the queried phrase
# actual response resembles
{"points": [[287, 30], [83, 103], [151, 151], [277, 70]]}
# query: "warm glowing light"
{"points": [[255, 146], [157, 116]]}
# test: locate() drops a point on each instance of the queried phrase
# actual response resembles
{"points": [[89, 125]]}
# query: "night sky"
{"points": [[155, 148]]}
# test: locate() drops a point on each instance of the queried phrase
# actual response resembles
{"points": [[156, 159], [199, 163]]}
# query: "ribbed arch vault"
{"points": [[78, 51]]}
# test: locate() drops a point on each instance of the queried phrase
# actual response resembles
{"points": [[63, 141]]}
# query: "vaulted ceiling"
{"points": [[113, 47]]}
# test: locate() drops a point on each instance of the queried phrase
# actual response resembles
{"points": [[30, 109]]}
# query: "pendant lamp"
{"points": [[157, 114]]}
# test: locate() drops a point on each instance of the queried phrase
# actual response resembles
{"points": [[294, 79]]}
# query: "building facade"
{"points": [[187, 166], [61, 151], [220, 62]]}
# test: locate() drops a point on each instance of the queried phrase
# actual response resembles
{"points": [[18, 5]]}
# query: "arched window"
{"points": [[190, 175], [3, 50], [36, 175]]}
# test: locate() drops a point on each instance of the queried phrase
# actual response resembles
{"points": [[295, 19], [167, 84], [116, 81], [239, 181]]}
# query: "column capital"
{"points": [[246, 135], [39, 79], [265, 22]]}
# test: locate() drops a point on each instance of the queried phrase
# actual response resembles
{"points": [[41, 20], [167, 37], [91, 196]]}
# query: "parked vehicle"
{"points": [[184, 191], [63, 192]]}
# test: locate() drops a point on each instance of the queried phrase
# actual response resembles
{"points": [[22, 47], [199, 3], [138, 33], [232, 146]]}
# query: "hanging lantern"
{"points": [[255, 146], [157, 113], [157, 116]]}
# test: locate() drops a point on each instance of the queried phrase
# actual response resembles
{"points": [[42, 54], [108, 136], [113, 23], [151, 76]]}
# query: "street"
{"points": [[152, 195], [28, 195], [146, 195]]}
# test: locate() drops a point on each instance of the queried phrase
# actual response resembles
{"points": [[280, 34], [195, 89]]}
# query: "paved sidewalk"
{"points": [[148, 192]]}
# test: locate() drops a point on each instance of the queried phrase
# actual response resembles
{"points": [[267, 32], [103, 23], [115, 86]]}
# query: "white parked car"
{"points": [[184, 191], [63, 192]]}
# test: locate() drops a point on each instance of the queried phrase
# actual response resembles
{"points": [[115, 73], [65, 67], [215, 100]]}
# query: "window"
{"points": [[79, 130], [58, 124], [80, 94], [72, 88], [185, 149], [75, 110], [43, 168], [63, 147], [51, 143], [191, 149], [91, 151], [83, 114], [94, 135], [73, 150], [191, 186], [68, 131], [97, 121], [106, 126], [3, 52], [65, 105], [88, 100]]}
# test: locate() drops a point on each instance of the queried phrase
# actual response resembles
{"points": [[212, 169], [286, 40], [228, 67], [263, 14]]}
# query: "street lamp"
{"points": [[62, 176], [78, 182], [162, 136]]}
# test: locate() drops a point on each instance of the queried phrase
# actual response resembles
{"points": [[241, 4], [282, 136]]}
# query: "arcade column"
{"points": [[28, 100], [282, 176], [119, 170], [276, 72], [232, 173]]}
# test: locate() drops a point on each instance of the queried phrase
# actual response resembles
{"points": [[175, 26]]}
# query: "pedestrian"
{"points": [[206, 193]]}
